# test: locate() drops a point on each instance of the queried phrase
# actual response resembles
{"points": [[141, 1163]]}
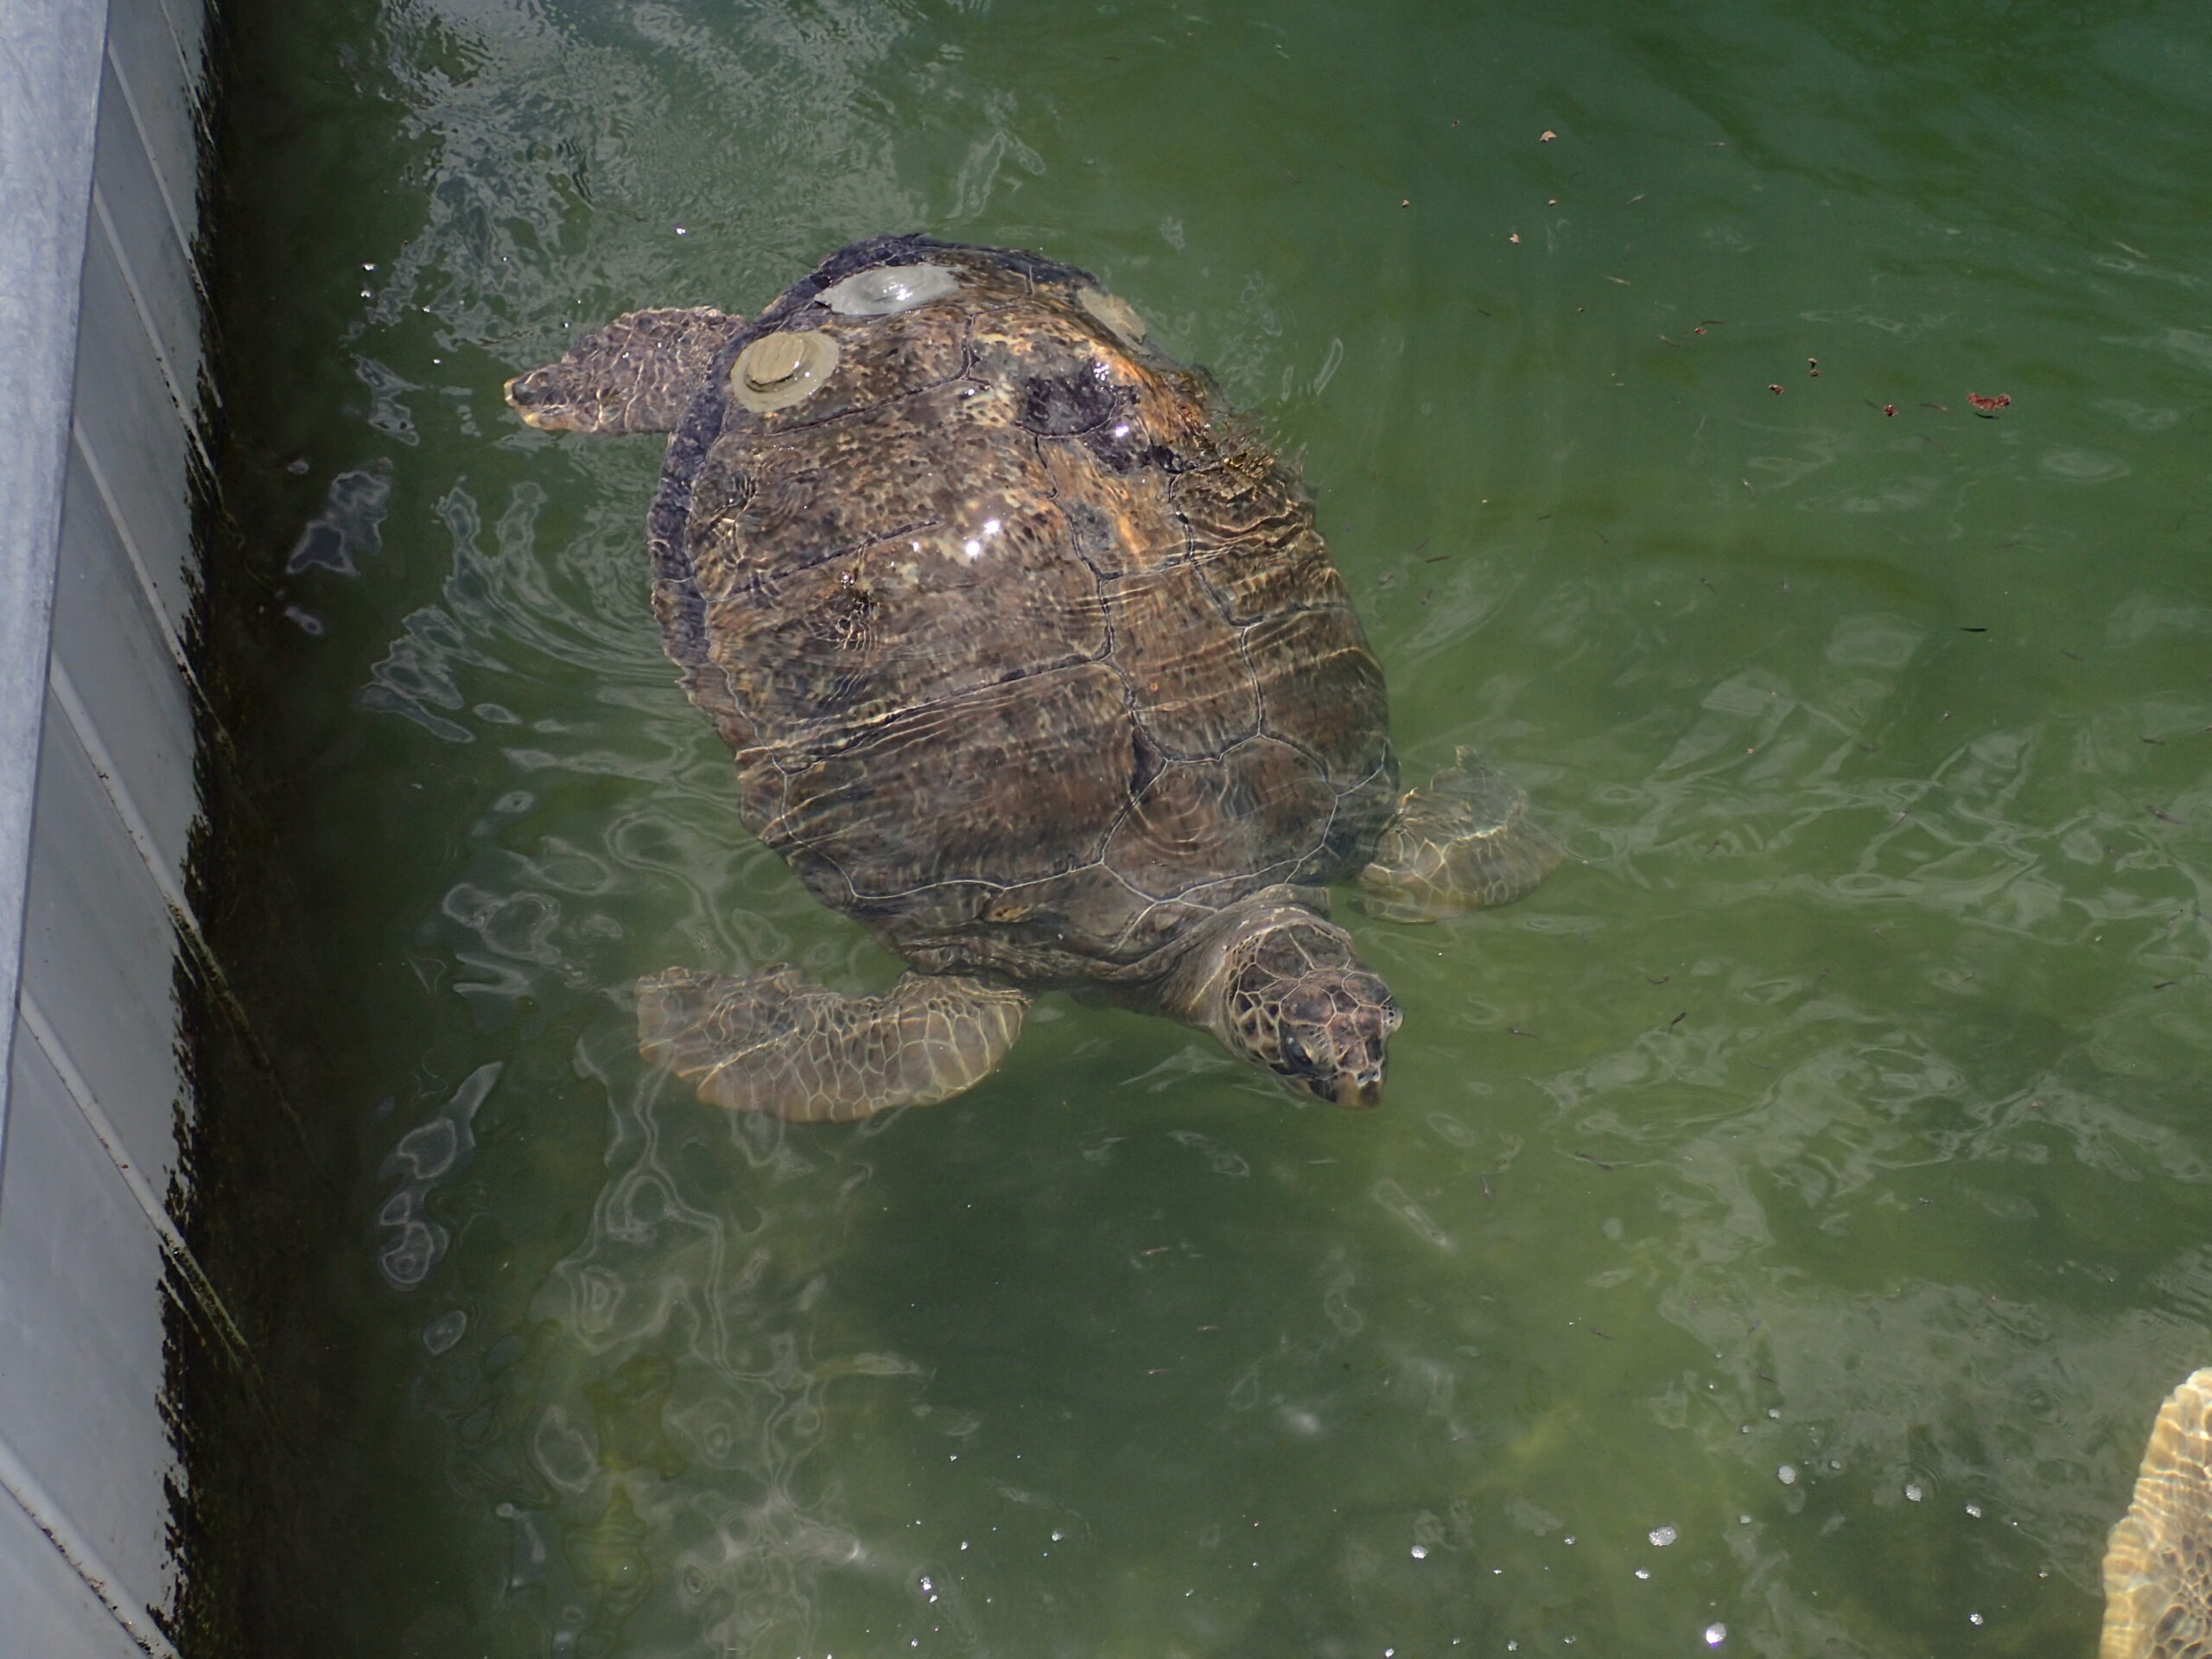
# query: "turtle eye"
{"points": [[1293, 1052]]}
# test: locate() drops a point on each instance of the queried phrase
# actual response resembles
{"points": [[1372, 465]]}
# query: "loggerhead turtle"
{"points": [[1034, 664], [2158, 1563]]}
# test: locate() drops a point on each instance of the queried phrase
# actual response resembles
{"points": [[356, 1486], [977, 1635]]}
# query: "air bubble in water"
{"points": [[1715, 1634], [1912, 1492], [1787, 1474], [1662, 1536]]}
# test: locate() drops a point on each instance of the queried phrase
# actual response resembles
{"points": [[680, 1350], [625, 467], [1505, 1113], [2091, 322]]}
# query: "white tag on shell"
{"points": [[887, 288]]}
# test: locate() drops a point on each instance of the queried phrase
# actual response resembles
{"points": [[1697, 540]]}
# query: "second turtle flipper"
{"points": [[1464, 843], [2157, 1591], [771, 1042], [635, 375]]}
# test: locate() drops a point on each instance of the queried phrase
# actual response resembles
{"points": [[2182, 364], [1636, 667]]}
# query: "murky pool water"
{"points": [[1780, 1229]]}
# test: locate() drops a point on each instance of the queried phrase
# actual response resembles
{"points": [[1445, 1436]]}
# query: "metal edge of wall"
{"points": [[101, 314], [51, 67]]}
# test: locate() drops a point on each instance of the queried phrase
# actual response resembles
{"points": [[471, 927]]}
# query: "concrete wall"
{"points": [[100, 374]]}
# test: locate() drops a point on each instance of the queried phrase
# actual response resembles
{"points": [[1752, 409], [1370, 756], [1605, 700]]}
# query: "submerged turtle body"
{"points": [[1026, 667], [1031, 662]]}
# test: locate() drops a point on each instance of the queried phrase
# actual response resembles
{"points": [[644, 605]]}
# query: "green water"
{"points": [[1816, 1168]]}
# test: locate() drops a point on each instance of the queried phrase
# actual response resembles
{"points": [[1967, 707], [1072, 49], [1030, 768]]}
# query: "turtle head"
{"points": [[1321, 1032], [1289, 994]]}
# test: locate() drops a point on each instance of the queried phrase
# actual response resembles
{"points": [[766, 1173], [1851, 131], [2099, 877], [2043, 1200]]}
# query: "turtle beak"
{"points": [[1359, 1090]]}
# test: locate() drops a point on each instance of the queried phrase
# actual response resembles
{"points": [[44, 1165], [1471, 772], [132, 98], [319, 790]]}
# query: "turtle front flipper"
{"points": [[2157, 1591], [771, 1042], [1464, 843], [635, 375]]}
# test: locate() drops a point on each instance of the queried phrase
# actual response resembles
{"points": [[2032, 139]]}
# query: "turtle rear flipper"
{"points": [[771, 1042], [2158, 1588], [1464, 843], [635, 375]]}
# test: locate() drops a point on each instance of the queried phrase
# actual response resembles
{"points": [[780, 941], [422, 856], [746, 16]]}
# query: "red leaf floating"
{"points": [[1982, 405]]}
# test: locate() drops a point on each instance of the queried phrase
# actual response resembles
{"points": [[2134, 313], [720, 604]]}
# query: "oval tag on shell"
{"points": [[1117, 313], [777, 371], [888, 288]]}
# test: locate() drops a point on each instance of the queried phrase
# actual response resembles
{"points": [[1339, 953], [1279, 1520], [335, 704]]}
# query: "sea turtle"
{"points": [[1034, 663], [2158, 1563]]}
